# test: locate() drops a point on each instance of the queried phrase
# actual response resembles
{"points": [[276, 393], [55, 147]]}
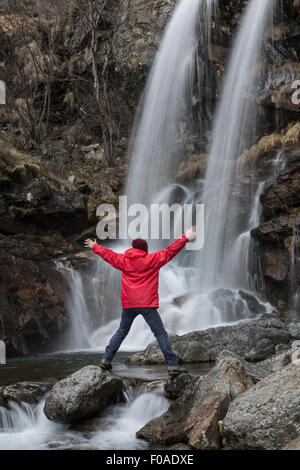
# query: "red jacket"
{"points": [[140, 272]]}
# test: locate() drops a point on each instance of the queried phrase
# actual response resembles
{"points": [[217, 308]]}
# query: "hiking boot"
{"points": [[105, 364], [176, 370]]}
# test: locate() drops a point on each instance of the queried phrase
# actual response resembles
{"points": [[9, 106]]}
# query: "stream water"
{"points": [[26, 426]]}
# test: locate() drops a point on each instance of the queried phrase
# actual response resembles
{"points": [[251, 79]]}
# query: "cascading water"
{"points": [[25, 427], [232, 133], [165, 112]]}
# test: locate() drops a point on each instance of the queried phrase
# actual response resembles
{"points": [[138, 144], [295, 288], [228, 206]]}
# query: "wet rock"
{"points": [[293, 445], [146, 387], [175, 386], [253, 340], [277, 362], [258, 159], [260, 153], [92, 424], [256, 372], [179, 446], [32, 298], [28, 392], [193, 417], [82, 394], [283, 194], [294, 330], [267, 415], [278, 239], [193, 168]]}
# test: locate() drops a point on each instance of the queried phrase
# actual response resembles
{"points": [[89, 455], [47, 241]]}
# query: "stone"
{"points": [[253, 340], [193, 417], [295, 444], [28, 392], [176, 385], [267, 416], [82, 394], [256, 371]]}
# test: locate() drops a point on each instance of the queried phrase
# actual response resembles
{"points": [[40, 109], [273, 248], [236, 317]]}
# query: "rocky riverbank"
{"points": [[236, 405]]}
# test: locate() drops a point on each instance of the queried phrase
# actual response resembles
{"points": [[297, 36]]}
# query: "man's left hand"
{"points": [[89, 243]]}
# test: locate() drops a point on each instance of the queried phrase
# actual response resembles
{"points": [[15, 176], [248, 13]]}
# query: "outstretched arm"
{"points": [[164, 256], [115, 259]]}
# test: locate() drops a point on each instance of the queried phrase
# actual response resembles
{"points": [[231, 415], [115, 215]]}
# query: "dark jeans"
{"points": [[153, 319]]}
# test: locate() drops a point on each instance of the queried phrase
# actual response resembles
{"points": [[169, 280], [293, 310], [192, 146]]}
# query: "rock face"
{"points": [[135, 47], [279, 240], [33, 201], [253, 340], [34, 207], [32, 304], [82, 394], [193, 418], [266, 416]]}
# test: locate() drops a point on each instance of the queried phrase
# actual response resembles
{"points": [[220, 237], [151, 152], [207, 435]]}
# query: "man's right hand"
{"points": [[191, 232]]}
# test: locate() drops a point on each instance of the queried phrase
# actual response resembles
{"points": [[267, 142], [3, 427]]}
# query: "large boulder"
{"points": [[193, 417], [253, 340], [267, 416], [82, 394]]}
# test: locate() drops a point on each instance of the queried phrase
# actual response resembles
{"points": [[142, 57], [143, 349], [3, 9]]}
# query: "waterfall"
{"points": [[212, 287], [232, 132], [164, 117]]}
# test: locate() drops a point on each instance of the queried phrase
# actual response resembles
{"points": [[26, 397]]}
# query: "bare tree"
{"points": [[32, 62], [100, 23]]}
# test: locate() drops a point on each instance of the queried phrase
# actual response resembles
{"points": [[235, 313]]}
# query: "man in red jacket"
{"points": [[139, 294]]}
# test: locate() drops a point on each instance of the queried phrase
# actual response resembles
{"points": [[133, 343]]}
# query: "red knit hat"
{"points": [[140, 244]]}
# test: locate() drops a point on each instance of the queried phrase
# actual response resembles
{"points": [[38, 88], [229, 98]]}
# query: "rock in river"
{"points": [[193, 417], [87, 391]]}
